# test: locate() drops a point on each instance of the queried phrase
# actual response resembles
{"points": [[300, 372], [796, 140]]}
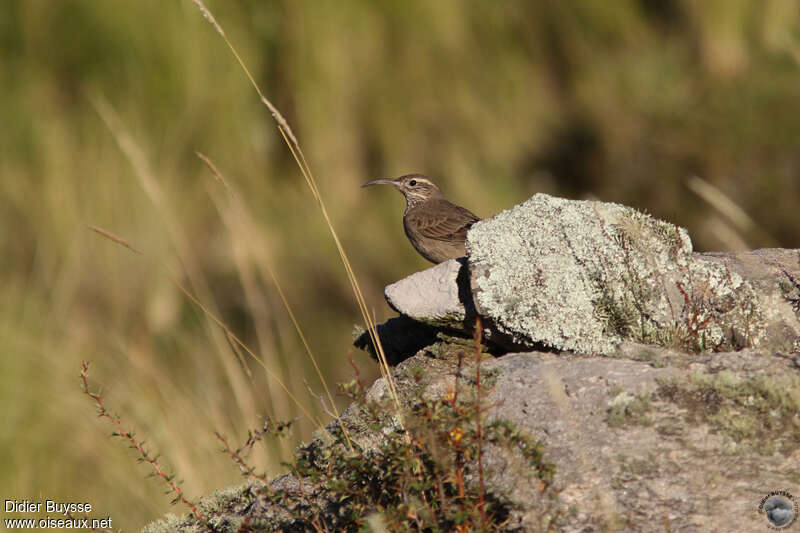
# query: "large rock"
{"points": [[638, 447], [654, 440], [585, 276], [635, 444]]}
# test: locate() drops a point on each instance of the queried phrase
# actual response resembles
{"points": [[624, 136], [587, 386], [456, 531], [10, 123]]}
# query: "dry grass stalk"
{"points": [[300, 159], [229, 335], [244, 220]]}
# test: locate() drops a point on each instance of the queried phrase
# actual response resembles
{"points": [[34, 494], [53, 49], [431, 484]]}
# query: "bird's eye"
{"points": [[412, 182]]}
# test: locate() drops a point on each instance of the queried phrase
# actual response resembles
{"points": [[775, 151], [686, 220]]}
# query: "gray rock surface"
{"points": [[655, 461], [433, 296], [651, 441]]}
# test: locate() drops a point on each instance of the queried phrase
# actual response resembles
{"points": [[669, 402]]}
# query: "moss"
{"points": [[671, 235], [645, 354], [624, 310], [449, 347], [758, 413], [226, 498], [715, 310], [650, 356], [627, 409], [635, 468], [676, 336], [790, 289], [442, 321], [618, 315]]}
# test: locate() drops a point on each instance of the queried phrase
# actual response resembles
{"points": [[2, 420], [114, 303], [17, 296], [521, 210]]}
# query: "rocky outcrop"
{"points": [[653, 440], [586, 276], [662, 385], [694, 405]]}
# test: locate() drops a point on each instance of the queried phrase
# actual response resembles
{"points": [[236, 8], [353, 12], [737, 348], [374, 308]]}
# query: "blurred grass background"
{"points": [[651, 103]]}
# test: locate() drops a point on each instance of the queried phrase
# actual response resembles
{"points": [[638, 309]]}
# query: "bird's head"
{"points": [[415, 187]]}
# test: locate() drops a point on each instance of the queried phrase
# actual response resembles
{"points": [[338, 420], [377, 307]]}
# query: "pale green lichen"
{"points": [[584, 276], [169, 523]]}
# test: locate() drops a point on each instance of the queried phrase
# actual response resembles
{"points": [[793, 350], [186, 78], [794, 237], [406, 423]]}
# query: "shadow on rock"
{"points": [[401, 338]]}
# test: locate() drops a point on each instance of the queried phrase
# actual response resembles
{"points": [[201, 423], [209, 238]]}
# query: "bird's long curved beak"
{"points": [[381, 181]]}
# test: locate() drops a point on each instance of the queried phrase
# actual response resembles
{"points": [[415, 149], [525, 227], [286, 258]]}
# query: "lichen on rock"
{"points": [[586, 275]]}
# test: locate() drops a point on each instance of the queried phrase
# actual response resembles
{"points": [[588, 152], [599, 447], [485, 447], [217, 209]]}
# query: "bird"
{"points": [[436, 227]]}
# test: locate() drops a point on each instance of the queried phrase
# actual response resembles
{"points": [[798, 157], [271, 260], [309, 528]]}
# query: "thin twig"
{"points": [[236, 456], [144, 456]]}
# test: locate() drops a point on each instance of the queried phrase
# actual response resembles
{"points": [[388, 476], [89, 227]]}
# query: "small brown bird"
{"points": [[436, 228]]}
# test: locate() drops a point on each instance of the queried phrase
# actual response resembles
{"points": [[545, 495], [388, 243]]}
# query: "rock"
{"points": [[633, 444], [691, 444], [585, 276], [438, 296], [774, 275]]}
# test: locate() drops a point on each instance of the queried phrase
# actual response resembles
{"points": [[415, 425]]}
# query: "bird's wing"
{"points": [[450, 223]]}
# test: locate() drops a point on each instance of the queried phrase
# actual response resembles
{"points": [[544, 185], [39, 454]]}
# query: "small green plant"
{"points": [[416, 469]]}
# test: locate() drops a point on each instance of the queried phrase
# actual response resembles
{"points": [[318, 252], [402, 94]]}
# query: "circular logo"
{"points": [[780, 509]]}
